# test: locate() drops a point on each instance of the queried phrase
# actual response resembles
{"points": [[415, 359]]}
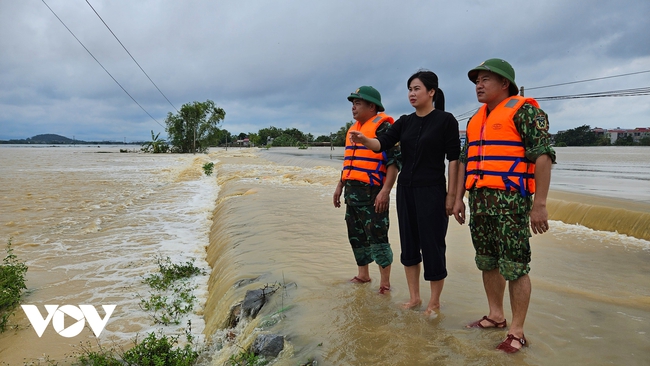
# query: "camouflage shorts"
{"points": [[368, 234], [501, 241]]}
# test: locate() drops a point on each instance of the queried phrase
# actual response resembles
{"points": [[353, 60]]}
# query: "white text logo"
{"points": [[57, 314]]}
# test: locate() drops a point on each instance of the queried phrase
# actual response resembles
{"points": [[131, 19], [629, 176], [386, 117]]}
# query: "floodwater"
{"points": [[90, 221]]}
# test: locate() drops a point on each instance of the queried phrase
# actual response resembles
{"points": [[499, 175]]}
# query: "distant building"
{"points": [[243, 143], [639, 133], [617, 133], [599, 132]]}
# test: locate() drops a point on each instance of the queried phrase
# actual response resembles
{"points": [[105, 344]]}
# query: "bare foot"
{"points": [[411, 304], [431, 311], [357, 279]]}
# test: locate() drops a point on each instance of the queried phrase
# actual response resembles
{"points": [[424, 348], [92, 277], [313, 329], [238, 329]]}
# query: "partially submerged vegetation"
{"points": [[171, 300], [171, 292], [12, 285], [208, 168]]}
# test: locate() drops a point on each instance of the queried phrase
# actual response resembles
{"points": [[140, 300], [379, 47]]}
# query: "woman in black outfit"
{"points": [[426, 137]]}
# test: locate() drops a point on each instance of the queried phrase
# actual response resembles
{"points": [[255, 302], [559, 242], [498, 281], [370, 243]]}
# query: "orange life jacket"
{"points": [[496, 154], [361, 163]]}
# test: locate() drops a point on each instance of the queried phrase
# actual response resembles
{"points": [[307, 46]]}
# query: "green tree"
{"points": [[195, 126], [155, 146], [271, 132], [645, 141], [296, 134], [223, 136], [323, 138], [285, 140], [339, 137], [603, 141], [624, 141], [254, 139], [579, 136]]}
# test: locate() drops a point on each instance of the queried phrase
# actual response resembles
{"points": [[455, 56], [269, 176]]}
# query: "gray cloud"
{"points": [[292, 64]]}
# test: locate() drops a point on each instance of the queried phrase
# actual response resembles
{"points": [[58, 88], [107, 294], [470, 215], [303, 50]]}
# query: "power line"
{"points": [[127, 51], [100, 64], [606, 94], [584, 81], [614, 93]]}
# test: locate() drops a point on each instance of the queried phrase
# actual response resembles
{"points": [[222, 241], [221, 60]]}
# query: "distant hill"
{"points": [[51, 138], [54, 139]]}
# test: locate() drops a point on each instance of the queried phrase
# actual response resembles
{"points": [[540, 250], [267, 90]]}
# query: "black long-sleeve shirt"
{"points": [[424, 143]]}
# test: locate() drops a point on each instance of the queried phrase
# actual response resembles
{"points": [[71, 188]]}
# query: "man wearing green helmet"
{"points": [[505, 166], [368, 178]]}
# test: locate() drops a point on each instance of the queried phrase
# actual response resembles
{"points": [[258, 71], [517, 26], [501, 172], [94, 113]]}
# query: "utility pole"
{"points": [[521, 91], [331, 146]]}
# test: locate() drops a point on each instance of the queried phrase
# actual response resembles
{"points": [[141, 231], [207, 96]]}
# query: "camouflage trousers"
{"points": [[501, 241], [368, 235]]}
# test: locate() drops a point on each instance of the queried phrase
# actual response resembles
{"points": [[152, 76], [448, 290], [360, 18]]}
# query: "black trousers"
{"points": [[423, 225]]}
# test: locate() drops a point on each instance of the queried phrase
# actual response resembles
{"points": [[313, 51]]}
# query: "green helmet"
{"points": [[369, 94], [499, 67]]}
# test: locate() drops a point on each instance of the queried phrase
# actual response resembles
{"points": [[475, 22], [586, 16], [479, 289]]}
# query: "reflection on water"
{"points": [[91, 217]]}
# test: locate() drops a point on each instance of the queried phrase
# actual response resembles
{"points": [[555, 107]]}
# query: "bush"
{"points": [[12, 284], [172, 295], [207, 168], [152, 351], [246, 359]]}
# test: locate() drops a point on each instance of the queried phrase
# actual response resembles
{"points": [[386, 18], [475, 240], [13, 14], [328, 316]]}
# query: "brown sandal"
{"points": [[383, 290], [506, 346], [477, 324]]}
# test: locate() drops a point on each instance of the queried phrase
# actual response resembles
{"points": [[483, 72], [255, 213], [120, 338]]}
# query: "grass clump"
{"points": [[171, 272], [246, 358], [153, 350], [172, 294], [12, 284]]}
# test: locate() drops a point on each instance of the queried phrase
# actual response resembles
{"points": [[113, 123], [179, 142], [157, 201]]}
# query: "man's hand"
{"points": [[357, 137], [449, 204], [337, 195], [539, 219], [382, 201], [459, 211]]}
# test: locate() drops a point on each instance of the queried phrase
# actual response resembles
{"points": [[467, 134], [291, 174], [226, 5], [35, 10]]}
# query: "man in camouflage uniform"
{"points": [[502, 217], [367, 201]]}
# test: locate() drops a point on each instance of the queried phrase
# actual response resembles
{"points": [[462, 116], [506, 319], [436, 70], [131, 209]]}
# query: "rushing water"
{"points": [[90, 225]]}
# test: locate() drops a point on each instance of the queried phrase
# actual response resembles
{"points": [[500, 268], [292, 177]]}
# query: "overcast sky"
{"points": [[293, 63]]}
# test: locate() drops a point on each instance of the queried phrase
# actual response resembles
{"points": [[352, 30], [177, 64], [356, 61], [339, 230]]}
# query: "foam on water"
{"points": [[93, 225], [604, 237]]}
